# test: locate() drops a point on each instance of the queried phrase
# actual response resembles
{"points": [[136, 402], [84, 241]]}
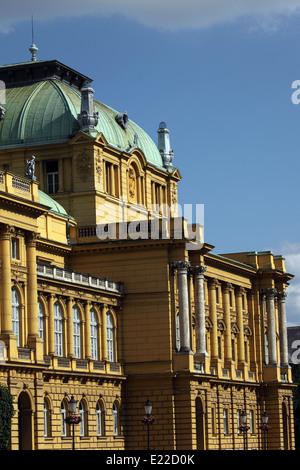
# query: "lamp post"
{"points": [[148, 419], [72, 409], [244, 428], [265, 427]]}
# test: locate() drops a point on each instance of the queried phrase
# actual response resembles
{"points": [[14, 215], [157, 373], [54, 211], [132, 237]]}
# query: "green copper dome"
{"points": [[54, 206], [46, 110]]}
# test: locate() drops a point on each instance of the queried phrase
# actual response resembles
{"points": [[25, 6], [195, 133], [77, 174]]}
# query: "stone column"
{"points": [[270, 293], [6, 281], [104, 332], [213, 315], [228, 349], [88, 307], [70, 348], [200, 310], [284, 357], [240, 321], [34, 341], [51, 350], [32, 300], [184, 314]]}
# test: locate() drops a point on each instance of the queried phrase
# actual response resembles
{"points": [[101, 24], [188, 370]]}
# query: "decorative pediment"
{"points": [[234, 329], [81, 137], [176, 174], [101, 139]]}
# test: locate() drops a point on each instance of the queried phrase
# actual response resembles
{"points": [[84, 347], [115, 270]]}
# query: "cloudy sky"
{"points": [[220, 74]]}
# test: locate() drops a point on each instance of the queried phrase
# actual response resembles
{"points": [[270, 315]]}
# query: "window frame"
{"points": [[110, 340], [77, 350], [15, 314], [58, 332]]}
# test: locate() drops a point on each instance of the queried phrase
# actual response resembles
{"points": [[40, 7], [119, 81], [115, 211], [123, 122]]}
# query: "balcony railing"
{"points": [[70, 276]]}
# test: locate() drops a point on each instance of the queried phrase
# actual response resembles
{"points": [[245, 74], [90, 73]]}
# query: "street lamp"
{"points": [[72, 405], [244, 428], [148, 419], [265, 427], [72, 419]]}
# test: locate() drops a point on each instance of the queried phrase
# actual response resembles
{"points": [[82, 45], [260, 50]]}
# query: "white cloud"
{"points": [[291, 253], [161, 14]]}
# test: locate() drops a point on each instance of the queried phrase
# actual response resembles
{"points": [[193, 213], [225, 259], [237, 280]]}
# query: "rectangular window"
{"points": [[108, 177], [251, 424], [230, 299], [94, 335], [110, 338], [225, 420], [15, 248], [213, 421], [233, 349], [217, 295], [15, 314], [220, 347], [246, 351], [52, 177]]}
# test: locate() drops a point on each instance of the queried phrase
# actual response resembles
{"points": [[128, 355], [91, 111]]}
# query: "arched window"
{"points": [[58, 330], [40, 320], [266, 348], [94, 335], [110, 337], [100, 418], [225, 420], [177, 333], [47, 416], [83, 415], [63, 413], [116, 419], [76, 333], [251, 421], [15, 307]]}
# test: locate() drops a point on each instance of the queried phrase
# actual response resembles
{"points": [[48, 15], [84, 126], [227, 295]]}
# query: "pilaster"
{"points": [[184, 315]]}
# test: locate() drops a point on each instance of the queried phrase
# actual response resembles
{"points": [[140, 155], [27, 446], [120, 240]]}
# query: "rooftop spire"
{"points": [[33, 49], [164, 146]]}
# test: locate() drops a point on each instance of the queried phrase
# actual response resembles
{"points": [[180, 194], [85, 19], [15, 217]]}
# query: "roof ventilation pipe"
{"points": [[164, 146], [88, 117]]}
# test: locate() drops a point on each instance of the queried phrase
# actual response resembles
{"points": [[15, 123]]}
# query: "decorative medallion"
{"points": [[84, 165]]}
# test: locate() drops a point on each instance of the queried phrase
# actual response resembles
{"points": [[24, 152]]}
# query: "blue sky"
{"points": [[219, 75]]}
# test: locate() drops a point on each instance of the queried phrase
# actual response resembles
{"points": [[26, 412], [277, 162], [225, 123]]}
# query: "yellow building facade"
{"points": [[110, 296]]}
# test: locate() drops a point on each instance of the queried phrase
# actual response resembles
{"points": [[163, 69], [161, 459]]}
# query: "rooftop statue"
{"points": [[31, 168]]}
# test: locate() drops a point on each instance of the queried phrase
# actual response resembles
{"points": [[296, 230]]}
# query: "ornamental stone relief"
{"points": [[84, 165], [98, 164], [174, 193], [132, 183]]}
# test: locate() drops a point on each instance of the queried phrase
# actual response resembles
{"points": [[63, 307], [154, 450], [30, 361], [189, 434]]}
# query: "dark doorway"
{"points": [[25, 421], [200, 424]]}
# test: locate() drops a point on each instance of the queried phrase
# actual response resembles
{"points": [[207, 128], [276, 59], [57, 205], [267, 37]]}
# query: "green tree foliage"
{"points": [[6, 414]]}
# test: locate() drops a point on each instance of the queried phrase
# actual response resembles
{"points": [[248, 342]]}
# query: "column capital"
{"points": [[31, 238], [240, 290], [226, 287], [5, 230], [269, 293], [181, 265], [213, 283], [281, 296], [198, 270]]}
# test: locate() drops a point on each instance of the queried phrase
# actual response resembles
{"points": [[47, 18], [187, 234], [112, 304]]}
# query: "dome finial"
{"points": [[164, 146], [33, 49]]}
